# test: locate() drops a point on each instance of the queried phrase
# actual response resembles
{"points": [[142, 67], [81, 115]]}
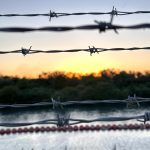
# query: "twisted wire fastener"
{"points": [[146, 117], [113, 13], [62, 120], [25, 51], [56, 104], [135, 99], [103, 26], [52, 14], [93, 50], [132, 100]]}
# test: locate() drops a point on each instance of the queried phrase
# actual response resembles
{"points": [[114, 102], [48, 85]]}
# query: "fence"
{"points": [[64, 122]]}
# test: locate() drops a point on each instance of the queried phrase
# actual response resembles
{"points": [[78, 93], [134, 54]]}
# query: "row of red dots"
{"points": [[75, 128]]}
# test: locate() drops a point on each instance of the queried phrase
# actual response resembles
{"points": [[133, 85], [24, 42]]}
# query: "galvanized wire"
{"points": [[101, 26], [66, 121], [53, 14], [56, 103], [91, 50]]}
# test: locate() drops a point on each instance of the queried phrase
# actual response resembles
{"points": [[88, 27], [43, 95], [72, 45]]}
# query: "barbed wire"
{"points": [[91, 50], [101, 26], [55, 103], [61, 121], [53, 14]]}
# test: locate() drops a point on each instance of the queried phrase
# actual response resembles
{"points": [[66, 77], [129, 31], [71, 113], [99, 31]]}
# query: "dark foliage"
{"points": [[107, 85]]}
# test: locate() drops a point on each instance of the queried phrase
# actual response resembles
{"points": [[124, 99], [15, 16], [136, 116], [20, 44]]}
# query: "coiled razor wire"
{"points": [[101, 26], [62, 121], [91, 50]]}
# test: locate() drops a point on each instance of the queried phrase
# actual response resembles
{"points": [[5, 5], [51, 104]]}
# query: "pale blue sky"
{"points": [[15, 64]]}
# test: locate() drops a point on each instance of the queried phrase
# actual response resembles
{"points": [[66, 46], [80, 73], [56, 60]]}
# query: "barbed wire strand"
{"points": [[53, 14], [71, 121], [56, 103], [101, 26], [91, 50]]}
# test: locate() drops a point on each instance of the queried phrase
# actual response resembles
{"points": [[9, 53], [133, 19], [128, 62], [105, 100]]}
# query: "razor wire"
{"points": [[55, 103], [62, 121], [91, 50], [53, 14], [101, 26]]}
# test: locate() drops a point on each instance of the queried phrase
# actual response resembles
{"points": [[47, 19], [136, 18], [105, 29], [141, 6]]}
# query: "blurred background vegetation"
{"points": [[108, 84]]}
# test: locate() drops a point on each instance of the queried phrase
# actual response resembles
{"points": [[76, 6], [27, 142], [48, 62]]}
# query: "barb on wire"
{"points": [[63, 120], [113, 13], [66, 120], [25, 51], [91, 50], [56, 104], [145, 118], [103, 26], [132, 100], [53, 14]]}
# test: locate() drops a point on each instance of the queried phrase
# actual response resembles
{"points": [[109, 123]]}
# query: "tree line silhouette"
{"points": [[108, 84]]}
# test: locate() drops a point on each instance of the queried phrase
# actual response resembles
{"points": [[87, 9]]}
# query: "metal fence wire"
{"points": [[99, 25], [57, 103], [66, 120], [63, 119], [91, 50], [53, 14]]}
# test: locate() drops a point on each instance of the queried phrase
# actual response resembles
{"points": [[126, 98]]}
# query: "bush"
{"points": [[10, 94]]}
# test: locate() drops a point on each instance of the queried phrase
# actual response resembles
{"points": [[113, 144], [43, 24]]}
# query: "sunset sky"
{"points": [[82, 62]]}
